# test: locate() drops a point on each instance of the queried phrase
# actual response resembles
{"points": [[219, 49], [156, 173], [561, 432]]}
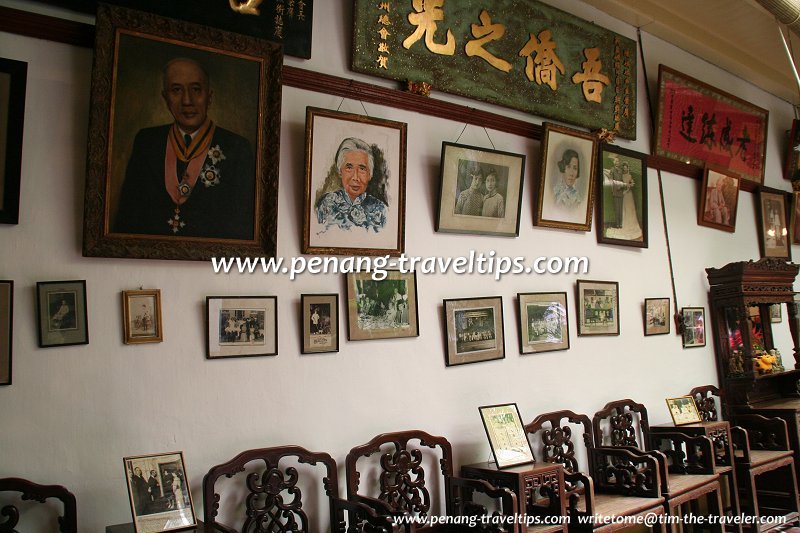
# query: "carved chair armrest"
{"points": [[698, 457], [363, 514], [741, 444], [510, 506], [634, 472], [573, 496], [765, 433]]}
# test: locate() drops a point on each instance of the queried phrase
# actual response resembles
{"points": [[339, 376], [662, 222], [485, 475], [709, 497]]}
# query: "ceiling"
{"points": [[739, 36]]}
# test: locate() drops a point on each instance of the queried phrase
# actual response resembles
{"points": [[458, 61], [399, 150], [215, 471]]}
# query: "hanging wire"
{"points": [[360, 102], [490, 139], [676, 316], [484, 130], [462, 131]]}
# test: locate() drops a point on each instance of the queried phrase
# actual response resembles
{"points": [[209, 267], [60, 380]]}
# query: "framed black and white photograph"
{"points": [[775, 313], [656, 316], [474, 330], [382, 308], [598, 307], [773, 229], [694, 326], [320, 322], [141, 312], [543, 322], [480, 191], [621, 196], [241, 326], [61, 309], [158, 489], [683, 410], [6, 329], [507, 438], [13, 80], [719, 199]]}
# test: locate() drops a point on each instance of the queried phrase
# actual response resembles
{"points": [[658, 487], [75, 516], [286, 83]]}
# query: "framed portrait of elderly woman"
{"points": [[183, 141], [480, 191], [355, 184], [566, 183], [773, 230], [719, 198], [621, 196]]}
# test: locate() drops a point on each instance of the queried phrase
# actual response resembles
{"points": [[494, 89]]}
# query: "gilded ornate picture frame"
{"points": [[141, 313], [683, 410]]}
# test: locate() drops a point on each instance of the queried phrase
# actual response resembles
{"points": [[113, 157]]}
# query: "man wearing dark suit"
{"points": [[190, 178]]}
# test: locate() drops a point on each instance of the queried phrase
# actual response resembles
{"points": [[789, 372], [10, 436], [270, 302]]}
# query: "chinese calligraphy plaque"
{"points": [[541, 60], [699, 124]]}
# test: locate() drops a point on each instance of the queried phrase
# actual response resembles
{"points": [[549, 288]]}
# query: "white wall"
{"points": [[72, 413]]}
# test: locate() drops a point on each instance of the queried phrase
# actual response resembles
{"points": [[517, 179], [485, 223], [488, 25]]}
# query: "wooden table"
{"points": [[128, 528], [536, 487]]}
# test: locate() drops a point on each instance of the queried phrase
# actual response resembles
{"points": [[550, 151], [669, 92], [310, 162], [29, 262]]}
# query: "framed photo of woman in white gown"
{"points": [[622, 197]]}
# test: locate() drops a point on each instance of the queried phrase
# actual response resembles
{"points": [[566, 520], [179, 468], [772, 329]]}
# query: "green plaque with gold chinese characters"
{"points": [[520, 54]]}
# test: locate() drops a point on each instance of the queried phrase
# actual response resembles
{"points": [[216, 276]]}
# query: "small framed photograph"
{"points": [[13, 79], [791, 170], [775, 313], [683, 410], [656, 316], [474, 330], [598, 307], [141, 311], [241, 326], [480, 191], [773, 232], [694, 327], [382, 308], [507, 438], [320, 322], [719, 199], [566, 185], [795, 218], [61, 308], [622, 196], [543, 322], [6, 329], [355, 184], [158, 488]]}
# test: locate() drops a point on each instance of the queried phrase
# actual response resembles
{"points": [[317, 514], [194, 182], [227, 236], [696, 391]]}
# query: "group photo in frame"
{"points": [[719, 199], [474, 330], [171, 176], [566, 183], [693, 323], [683, 410], [773, 232], [480, 191], [621, 196], [355, 184], [61, 312], [320, 323], [506, 434], [656, 316], [382, 308], [543, 322], [141, 312], [13, 80], [158, 490], [597, 303], [6, 330], [241, 326]]}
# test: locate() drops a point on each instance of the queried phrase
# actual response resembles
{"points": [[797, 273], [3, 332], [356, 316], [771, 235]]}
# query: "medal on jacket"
{"points": [[192, 156]]}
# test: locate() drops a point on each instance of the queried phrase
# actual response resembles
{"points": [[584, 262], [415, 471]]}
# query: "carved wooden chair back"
{"points": [[706, 397], [274, 481], [622, 423], [553, 436], [67, 523]]}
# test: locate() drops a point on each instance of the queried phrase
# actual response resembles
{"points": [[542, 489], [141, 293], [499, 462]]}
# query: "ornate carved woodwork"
{"points": [[67, 522]]}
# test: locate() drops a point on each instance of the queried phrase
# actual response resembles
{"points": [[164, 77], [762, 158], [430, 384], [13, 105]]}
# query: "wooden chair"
{"points": [[763, 459], [392, 470], [623, 483], [67, 523], [274, 481], [686, 464]]}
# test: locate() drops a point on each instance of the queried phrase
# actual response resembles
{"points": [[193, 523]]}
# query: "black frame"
{"points": [[580, 309], [10, 331], [683, 327], [523, 325], [12, 174], [40, 287], [600, 194], [334, 326], [668, 317], [448, 309], [762, 245], [522, 430], [208, 326]]}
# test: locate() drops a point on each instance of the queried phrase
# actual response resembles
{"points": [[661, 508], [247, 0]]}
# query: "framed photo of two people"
{"points": [[183, 140], [622, 196]]}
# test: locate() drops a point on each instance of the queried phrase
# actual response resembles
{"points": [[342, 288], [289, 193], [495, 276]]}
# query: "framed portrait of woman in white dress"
{"points": [[621, 197]]}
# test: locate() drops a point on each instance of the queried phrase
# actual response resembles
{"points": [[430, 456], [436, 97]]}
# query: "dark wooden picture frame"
{"points": [[597, 303], [319, 334], [772, 216], [141, 316], [543, 322], [795, 218], [241, 326], [225, 204], [13, 80], [719, 199], [467, 204], [474, 330], [506, 433], [361, 212], [6, 330], [561, 204], [384, 308], [791, 169], [621, 196], [656, 318], [61, 313], [693, 327]]}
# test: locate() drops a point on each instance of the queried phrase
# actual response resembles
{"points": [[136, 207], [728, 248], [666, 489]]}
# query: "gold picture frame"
{"points": [[683, 410], [141, 313]]}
